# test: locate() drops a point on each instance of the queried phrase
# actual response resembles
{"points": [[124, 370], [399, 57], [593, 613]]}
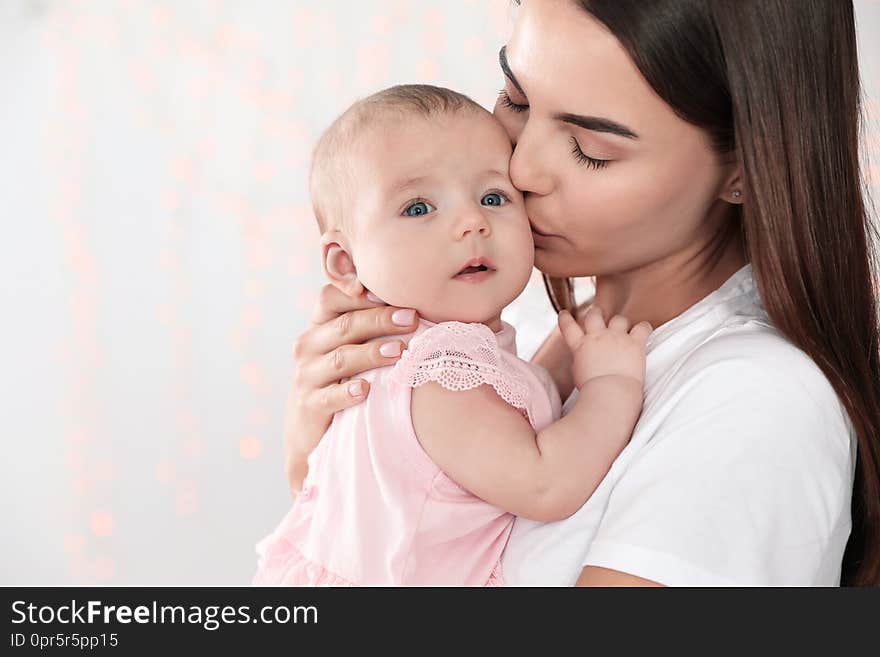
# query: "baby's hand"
{"points": [[601, 350]]}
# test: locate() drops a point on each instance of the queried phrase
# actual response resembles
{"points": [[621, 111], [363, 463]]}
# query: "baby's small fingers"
{"points": [[594, 320], [571, 332], [641, 331], [618, 324]]}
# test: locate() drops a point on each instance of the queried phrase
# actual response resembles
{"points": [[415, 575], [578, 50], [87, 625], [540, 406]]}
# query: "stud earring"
{"points": [[737, 193]]}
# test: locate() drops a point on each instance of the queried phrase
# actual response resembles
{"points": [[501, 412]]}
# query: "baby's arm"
{"points": [[488, 447]]}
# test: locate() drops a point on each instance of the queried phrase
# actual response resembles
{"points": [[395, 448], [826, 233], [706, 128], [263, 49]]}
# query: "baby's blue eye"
{"points": [[418, 208], [493, 198]]}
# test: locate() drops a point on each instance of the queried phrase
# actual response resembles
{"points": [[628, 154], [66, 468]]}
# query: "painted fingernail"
{"points": [[390, 349], [356, 389], [403, 317], [372, 297]]}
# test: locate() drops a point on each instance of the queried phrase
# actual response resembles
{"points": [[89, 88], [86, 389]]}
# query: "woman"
{"points": [[700, 159]]}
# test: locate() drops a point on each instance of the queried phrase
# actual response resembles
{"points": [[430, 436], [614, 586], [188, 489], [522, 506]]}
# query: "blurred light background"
{"points": [[162, 257]]}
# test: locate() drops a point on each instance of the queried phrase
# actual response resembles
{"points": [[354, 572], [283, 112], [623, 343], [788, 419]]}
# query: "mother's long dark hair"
{"points": [[776, 83]]}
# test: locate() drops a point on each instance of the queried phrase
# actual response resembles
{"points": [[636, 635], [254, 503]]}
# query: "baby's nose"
{"points": [[473, 221]]}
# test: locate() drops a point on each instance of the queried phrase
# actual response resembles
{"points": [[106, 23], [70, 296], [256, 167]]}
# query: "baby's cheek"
{"points": [[522, 246], [375, 270], [524, 259], [399, 276]]}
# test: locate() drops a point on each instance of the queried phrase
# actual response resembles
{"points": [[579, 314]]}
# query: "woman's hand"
{"points": [[330, 350]]}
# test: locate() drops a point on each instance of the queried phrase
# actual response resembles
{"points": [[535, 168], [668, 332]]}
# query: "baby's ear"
{"points": [[338, 264]]}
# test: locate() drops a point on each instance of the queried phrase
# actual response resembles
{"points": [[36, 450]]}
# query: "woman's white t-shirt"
{"points": [[739, 471]]}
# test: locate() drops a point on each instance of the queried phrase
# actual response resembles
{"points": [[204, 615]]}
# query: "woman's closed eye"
{"points": [[504, 97], [417, 208], [585, 159], [580, 156]]}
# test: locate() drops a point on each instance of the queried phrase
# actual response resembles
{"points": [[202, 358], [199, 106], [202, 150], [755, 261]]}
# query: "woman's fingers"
{"points": [[347, 360], [357, 326], [641, 331], [332, 302], [338, 396]]}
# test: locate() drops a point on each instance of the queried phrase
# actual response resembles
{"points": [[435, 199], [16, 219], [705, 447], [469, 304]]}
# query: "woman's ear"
{"points": [[732, 188], [338, 263]]}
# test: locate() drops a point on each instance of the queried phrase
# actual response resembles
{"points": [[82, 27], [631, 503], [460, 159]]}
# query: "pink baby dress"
{"points": [[374, 509]]}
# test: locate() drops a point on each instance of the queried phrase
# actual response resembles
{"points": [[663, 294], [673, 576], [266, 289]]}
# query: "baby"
{"points": [[420, 483]]}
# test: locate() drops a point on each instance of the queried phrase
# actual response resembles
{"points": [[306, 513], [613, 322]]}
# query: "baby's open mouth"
{"points": [[474, 266], [473, 270]]}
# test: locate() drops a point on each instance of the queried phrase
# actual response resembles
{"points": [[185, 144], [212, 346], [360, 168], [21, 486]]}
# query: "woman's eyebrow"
{"points": [[505, 68], [596, 124]]}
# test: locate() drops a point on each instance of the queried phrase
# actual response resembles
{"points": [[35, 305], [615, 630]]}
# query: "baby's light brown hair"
{"points": [[332, 177]]}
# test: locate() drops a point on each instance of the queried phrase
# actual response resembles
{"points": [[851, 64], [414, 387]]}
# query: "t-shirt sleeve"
{"points": [[461, 356], [746, 481]]}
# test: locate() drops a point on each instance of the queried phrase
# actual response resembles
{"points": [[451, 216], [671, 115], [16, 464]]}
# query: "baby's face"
{"points": [[434, 194]]}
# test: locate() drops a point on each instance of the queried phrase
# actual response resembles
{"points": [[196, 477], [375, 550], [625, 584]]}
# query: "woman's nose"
{"points": [[527, 171]]}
